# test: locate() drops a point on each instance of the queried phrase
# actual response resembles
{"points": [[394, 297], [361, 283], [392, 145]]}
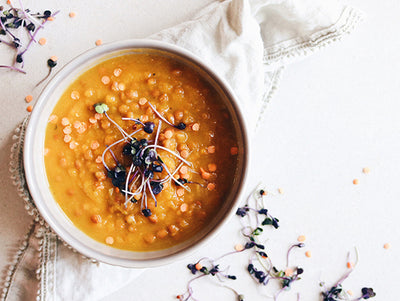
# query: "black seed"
{"points": [[30, 27], [51, 63], [148, 173], [19, 58], [148, 127], [47, 13], [146, 212], [181, 126], [157, 168], [156, 187], [182, 181]]}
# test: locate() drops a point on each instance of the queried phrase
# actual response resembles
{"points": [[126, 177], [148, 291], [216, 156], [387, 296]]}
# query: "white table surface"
{"points": [[334, 113]]}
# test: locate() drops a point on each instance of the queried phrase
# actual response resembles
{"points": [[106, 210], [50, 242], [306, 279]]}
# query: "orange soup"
{"points": [[140, 152]]}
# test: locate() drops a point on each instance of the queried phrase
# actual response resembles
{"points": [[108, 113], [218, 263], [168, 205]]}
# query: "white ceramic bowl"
{"points": [[36, 173]]}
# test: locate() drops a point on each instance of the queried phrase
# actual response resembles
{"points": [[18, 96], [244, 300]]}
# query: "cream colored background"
{"points": [[335, 113]]}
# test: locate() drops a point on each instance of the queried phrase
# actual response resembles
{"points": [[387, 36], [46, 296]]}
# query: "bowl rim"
{"points": [[28, 151]]}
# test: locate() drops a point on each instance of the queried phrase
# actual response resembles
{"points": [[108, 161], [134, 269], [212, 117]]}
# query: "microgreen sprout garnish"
{"points": [[12, 22], [179, 126], [148, 126], [207, 267], [337, 293], [253, 215], [260, 266], [51, 63], [141, 179]]}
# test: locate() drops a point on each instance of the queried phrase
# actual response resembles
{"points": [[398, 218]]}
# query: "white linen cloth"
{"points": [[248, 42]]}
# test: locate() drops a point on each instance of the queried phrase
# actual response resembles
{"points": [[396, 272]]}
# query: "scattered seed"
{"points": [[168, 133], [234, 150], [280, 190], [308, 254], [64, 121], [184, 170], [142, 101], [28, 98], [67, 138], [95, 145], [289, 272], [212, 167], [355, 181], [184, 207], [350, 265], [205, 175], [98, 42], [72, 14], [301, 238], [95, 218], [105, 80], [42, 41], [54, 58], [211, 149], [211, 186], [184, 154], [67, 130], [29, 108], [366, 170], [180, 192], [117, 72], [350, 292], [75, 95], [198, 266], [239, 247], [195, 127], [53, 119], [387, 246], [109, 240], [73, 145], [50, 19]]}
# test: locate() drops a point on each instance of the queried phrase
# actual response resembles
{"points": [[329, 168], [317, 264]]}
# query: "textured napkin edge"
{"points": [[287, 51], [45, 237], [284, 53]]}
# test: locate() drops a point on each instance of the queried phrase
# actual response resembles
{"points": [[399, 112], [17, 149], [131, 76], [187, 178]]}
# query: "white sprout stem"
{"points": [[134, 182], [170, 151], [158, 133], [28, 16], [159, 115], [152, 194], [125, 134], [35, 33], [107, 149], [138, 191], [172, 174], [127, 183], [131, 134], [175, 180]]}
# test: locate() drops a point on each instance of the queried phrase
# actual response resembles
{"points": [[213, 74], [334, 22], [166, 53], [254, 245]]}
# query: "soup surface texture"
{"points": [[140, 152]]}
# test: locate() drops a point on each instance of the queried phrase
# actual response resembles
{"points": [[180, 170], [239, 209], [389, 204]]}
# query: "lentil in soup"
{"points": [[140, 151]]}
